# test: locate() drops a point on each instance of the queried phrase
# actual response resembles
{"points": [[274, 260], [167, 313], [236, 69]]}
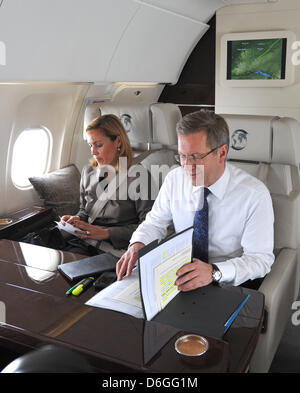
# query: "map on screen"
{"points": [[257, 59]]}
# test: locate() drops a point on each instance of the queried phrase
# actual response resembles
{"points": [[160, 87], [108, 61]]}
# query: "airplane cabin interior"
{"points": [[149, 62]]}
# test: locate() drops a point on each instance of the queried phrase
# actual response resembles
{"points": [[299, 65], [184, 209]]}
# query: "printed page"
{"points": [[158, 271], [165, 277], [123, 296], [131, 295], [68, 228]]}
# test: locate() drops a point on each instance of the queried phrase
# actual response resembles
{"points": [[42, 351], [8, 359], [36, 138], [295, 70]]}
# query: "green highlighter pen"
{"points": [[69, 291], [82, 286]]}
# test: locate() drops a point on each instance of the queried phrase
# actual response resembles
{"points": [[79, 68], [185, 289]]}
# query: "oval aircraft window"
{"points": [[30, 155]]}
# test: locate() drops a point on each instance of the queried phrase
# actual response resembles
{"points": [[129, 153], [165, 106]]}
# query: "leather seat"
{"points": [[266, 148], [49, 359]]}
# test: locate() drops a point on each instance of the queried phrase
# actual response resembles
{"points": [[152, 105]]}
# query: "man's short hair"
{"points": [[215, 126]]}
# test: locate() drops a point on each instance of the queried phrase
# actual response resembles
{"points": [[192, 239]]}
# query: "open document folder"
{"points": [[151, 285], [150, 292]]}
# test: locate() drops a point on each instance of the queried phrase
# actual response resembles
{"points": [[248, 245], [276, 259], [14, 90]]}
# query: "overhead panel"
{"points": [[69, 40], [100, 40], [200, 10], [155, 46], [229, 2]]}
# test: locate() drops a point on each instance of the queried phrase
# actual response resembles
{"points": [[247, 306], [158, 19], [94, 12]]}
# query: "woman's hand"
{"points": [[88, 231], [69, 219]]}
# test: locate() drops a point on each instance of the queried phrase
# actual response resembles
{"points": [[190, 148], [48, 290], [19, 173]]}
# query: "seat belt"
{"points": [[100, 204], [138, 159]]}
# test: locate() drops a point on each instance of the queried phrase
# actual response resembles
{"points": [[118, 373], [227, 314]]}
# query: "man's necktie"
{"points": [[200, 236]]}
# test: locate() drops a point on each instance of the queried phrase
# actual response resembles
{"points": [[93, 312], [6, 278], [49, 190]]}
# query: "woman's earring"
{"points": [[118, 148]]}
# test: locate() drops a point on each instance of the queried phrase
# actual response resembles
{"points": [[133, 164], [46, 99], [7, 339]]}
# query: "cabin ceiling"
{"points": [[197, 9], [101, 41]]}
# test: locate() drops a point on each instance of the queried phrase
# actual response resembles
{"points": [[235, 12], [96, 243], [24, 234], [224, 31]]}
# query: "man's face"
{"points": [[204, 171]]}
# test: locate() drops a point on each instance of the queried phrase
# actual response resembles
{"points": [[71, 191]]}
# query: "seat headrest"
{"points": [[91, 112], [135, 118], [286, 139], [250, 137], [164, 120], [146, 124]]}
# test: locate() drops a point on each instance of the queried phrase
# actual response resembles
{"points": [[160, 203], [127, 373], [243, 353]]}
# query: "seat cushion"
{"points": [[59, 189]]}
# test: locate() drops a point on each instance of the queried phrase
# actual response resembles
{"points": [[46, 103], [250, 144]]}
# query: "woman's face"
{"points": [[104, 150]]}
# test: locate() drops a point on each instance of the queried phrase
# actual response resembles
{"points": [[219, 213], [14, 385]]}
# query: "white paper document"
{"points": [[68, 228], [158, 271], [165, 277], [131, 295], [155, 284], [123, 296]]}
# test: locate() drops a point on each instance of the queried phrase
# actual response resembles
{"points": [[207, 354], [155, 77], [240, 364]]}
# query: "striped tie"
{"points": [[200, 236]]}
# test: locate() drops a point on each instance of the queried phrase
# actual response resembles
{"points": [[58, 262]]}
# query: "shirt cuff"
{"points": [[228, 271]]}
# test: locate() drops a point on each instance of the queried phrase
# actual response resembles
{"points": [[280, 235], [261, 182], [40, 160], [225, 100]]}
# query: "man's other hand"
{"points": [[194, 275]]}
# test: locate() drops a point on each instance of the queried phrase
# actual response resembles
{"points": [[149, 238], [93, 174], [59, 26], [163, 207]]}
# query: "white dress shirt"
{"points": [[241, 221]]}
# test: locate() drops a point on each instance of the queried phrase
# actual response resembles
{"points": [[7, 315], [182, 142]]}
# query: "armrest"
{"points": [[282, 276]]}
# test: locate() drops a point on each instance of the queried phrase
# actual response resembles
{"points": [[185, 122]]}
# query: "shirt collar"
{"points": [[219, 187]]}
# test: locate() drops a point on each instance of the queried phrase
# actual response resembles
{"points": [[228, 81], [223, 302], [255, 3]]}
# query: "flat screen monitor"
{"points": [[257, 59]]}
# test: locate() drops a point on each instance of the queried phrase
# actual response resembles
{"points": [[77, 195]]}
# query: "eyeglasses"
{"points": [[181, 158]]}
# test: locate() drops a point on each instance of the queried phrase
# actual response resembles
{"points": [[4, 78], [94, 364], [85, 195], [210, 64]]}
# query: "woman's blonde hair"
{"points": [[112, 127]]}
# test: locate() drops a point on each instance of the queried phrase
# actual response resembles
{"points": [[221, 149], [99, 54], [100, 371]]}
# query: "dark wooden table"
{"points": [[26, 220], [38, 312]]}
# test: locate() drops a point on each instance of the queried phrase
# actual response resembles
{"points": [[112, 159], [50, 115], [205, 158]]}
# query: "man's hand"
{"points": [[194, 275], [126, 263]]}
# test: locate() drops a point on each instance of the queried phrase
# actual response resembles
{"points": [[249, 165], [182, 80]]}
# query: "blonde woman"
{"points": [[120, 216]]}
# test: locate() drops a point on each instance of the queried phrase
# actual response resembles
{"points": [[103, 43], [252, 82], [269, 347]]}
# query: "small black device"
{"points": [[105, 280], [91, 266]]}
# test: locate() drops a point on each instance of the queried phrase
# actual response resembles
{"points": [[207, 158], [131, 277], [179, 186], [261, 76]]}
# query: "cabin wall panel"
{"points": [[59, 108], [24, 106], [7, 113], [275, 101]]}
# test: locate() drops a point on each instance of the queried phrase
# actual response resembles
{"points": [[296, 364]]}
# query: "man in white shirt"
{"points": [[241, 219]]}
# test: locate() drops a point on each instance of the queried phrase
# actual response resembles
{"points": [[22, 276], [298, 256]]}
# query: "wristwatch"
{"points": [[216, 274]]}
